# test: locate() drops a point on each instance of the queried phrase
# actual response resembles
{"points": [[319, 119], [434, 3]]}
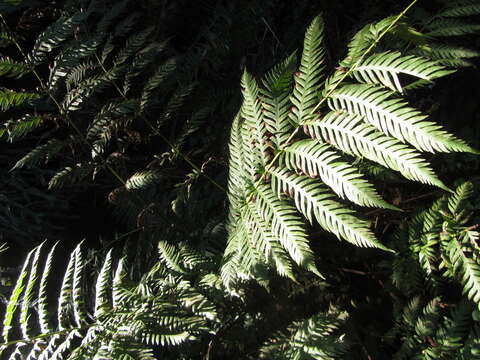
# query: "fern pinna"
{"points": [[273, 163]]}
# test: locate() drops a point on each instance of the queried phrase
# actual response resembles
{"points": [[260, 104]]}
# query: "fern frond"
{"points": [[143, 180], [459, 9], [286, 225], [276, 102], [28, 294], [317, 337], [78, 301], [65, 296], [253, 115], [53, 37], [162, 73], [322, 160], [43, 314], [133, 44], [13, 69], [14, 299], [394, 118], [72, 175], [314, 201], [457, 201], [269, 244], [351, 135], [10, 99], [40, 154], [467, 270], [176, 101], [365, 38], [446, 27], [17, 129], [447, 54], [102, 288], [70, 59], [385, 68], [457, 329], [306, 90]]}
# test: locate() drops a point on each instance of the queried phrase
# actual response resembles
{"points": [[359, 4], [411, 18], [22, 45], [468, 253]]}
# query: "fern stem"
{"points": [[347, 73]]}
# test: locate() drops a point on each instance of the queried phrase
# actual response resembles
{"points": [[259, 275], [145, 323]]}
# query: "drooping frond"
{"points": [[143, 180], [72, 175], [457, 202], [460, 9], [449, 55]]}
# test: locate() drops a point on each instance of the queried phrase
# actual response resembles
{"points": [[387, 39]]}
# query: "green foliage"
{"points": [[115, 116], [360, 120]]}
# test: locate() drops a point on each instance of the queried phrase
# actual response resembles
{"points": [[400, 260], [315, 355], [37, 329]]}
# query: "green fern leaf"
{"points": [[385, 68], [314, 201], [269, 244], [14, 299], [102, 303], [276, 102], [394, 118], [456, 9], [306, 90], [457, 201], [467, 270], [28, 294], [451, 27], [13, 69], [79, 312], [351, 135], [43, 308], [447, 54], [254, 123], [286, 225], [54, 36], [316, 159], [10, 99]]}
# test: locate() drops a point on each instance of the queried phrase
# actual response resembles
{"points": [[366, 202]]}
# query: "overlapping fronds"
{"points": [[318, 337], [366, 120], [125, 319]]}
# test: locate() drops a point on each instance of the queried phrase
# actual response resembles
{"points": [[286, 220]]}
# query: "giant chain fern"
{"points": [[272, 162]]}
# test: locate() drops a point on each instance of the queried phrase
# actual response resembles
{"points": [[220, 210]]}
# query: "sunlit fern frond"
{"points": [[269, 155]]}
